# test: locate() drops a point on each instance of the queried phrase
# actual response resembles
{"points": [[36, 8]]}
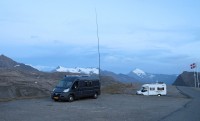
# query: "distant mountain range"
{"points": [[136, 75]]}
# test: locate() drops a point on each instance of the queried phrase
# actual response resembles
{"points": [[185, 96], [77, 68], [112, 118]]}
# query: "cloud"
{"points": [[111, 59]]}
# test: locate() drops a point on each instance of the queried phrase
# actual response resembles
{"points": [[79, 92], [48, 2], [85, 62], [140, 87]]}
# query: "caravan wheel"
{"points": [[159, 94]]}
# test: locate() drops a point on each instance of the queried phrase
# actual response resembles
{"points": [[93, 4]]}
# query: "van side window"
{"points": [[90, 83], [81, 83], [85, 83]]}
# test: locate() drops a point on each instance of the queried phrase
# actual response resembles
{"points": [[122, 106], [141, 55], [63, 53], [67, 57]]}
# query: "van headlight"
{"points": [[66, 90], [54, 89]]}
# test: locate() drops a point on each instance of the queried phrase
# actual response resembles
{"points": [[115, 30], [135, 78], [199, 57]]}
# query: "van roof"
{"points": [[163, 84]]}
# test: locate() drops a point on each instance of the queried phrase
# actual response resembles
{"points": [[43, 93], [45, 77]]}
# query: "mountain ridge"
{"points": [[8, 63]]}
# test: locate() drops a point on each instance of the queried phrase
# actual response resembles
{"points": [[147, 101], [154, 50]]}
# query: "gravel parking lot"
{"points": [[115, 107]]}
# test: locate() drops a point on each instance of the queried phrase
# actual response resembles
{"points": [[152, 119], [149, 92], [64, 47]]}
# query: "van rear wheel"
{"points": [[95, 96]]}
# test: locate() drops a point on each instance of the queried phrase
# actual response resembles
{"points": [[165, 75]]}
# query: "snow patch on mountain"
{"points": [[77, 70]]}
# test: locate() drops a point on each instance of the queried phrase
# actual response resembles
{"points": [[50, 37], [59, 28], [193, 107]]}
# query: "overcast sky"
{"points": [[157, 36]]}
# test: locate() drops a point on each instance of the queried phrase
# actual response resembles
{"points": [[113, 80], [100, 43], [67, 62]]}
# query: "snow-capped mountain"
{"points": [[77, 70], [139, 72], [143, 76]]}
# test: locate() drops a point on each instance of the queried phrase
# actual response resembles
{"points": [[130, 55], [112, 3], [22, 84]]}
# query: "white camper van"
{"points": [[153, 89]]}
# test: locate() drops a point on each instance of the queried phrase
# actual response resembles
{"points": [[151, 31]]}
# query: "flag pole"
{"points": [[197, 75], [193, 66], [194, 79]]}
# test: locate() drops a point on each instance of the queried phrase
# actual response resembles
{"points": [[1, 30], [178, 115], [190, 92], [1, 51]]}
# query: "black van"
{"points": [[75, 87]]}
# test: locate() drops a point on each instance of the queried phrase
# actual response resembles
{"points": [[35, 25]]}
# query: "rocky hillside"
{"points": [[185, 79], [16, 84], [7, 63]]}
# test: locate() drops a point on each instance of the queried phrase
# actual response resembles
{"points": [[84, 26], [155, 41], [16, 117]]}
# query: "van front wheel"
{"points": [[71, 98]]}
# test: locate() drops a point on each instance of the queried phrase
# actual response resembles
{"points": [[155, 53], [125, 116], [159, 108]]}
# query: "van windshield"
{"points": [[144, 89], [65, 83]]}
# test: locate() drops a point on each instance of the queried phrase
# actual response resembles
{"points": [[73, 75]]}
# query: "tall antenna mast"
{"points": [[98, 42]]}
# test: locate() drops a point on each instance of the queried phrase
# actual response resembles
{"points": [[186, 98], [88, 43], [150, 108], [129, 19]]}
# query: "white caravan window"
{"points": [[152, 88], [160, 88]]}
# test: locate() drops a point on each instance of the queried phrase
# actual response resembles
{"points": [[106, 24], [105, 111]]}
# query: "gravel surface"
{"points": [[115, 107]]}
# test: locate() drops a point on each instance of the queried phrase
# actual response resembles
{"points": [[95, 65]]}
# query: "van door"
{"points": [[76, 89]]}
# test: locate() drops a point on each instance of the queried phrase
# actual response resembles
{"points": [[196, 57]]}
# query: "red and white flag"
{"points": [[193, 65]]}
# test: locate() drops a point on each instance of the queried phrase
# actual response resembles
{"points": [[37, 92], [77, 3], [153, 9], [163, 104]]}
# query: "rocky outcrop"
{"points": [[185, 79]]}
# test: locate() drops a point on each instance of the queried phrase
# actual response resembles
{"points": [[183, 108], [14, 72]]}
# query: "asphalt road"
{"points": [[191, 110], [116, 107]]}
